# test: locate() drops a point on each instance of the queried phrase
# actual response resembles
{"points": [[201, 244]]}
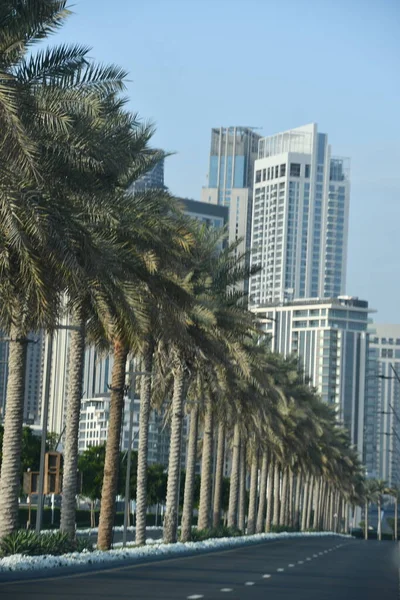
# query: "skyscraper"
{"points": [[153, 179], [330, 337], [300, 217], [231, 175], [382, 426]]}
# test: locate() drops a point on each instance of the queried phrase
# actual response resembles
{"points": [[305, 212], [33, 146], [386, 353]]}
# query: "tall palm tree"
{"points": [[263, 493], [45, 100], [380, 488]]}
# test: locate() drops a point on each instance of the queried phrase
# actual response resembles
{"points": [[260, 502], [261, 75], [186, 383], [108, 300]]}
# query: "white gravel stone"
{"points": [[153, 548]]}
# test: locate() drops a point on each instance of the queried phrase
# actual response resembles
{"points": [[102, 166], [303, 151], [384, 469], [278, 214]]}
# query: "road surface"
{"points": [[327, 568]]}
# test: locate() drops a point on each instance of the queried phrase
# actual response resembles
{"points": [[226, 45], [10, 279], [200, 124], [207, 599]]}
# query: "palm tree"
{"points": [[380, 488], [45, 100], [263, 493], [187, 513], [219, 473], [206, 468], [251, 521]]}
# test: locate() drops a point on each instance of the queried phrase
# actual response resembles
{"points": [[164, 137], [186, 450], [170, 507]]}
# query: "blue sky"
{"points": [[275, 64]]}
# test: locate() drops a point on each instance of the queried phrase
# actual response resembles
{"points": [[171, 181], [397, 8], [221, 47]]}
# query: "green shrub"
{"points": [[198, 535], [30, 543], [19, 542]]}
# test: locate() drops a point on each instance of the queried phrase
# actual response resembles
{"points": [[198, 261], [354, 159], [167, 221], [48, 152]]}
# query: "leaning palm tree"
{"points": [[48, 103]]}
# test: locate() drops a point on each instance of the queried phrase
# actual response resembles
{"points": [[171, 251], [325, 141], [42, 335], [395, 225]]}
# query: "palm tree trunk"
{"points": [[234, 484], [289, 516], [275, 518], [144, 416], [270, 497], [188, 501], [305, 504], [219, 474], [251, 521], [346, 518], [317, 503], [92, 517], [366, 520], [206, 469], [71, 445], [111, 464], [299, 484], [12, 437], [324, 511], [174, 462], [242, 488], [379, 518], [283, 506], [310, 502], [263, 493]]}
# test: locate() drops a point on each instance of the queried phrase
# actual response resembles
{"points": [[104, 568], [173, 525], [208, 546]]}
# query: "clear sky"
{"points": [[275, 64]]}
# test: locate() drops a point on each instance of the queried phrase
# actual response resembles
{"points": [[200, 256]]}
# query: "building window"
{"points": [[383, 353], [258, 176], [307, 171], [268, 173], [283, 170], [276, 171], [294, 169], [264, 174]]}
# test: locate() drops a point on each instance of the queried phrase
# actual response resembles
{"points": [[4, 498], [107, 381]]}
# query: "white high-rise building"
{"points": [[382, 426], [300, 218], [33, 377], [330, 337]]}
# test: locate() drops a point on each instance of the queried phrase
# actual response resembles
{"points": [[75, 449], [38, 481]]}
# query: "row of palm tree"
{"points": [[374, 490], [137, 278]]}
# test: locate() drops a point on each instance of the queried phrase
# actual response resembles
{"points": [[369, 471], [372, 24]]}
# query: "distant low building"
{"points": [[94, 421]]}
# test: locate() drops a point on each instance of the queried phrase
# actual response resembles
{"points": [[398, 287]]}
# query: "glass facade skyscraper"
{"points": [[231, 176], [300, 218], [153, 179]]}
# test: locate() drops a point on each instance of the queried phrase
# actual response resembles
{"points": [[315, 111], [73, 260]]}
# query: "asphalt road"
{"points": [[305, 569]]}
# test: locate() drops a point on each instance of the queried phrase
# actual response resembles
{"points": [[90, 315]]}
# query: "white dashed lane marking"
{"points": [[315, 555], [308, 558], [226, 590], [300, 562], [249, 583], [291, 565], [280, 570], [195, 597], [266, 576]]}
